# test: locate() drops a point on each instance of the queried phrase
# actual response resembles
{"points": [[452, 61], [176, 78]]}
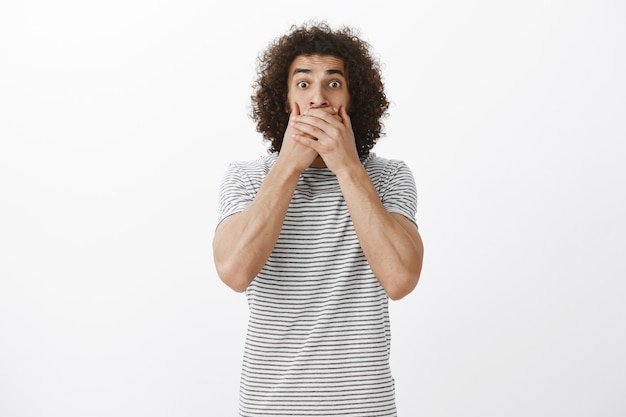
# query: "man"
{"points": [[319, 233]]}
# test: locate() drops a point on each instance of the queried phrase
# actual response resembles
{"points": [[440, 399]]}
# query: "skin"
{"points": [[319, 135]]}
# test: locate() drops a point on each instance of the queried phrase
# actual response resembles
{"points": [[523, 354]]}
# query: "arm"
{"points": [[391, 242], [243, 241]]}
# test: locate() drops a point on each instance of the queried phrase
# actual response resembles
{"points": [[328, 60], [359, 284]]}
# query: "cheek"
{"points": [[293, 101], [341, 99], [290, 104], [347, 100], [289, 101]]}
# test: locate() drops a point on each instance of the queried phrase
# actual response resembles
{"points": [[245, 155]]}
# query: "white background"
{"points": [[117, 120]]}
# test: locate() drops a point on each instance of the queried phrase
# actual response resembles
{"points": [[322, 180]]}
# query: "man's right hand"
{"points": [[293, 154]]}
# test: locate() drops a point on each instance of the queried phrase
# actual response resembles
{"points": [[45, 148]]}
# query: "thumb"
{"points": [[344, 115], [296, 109]]}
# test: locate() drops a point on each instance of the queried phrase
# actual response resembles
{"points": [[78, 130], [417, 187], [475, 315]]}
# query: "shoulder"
{"points": [[394, 183], [262, 162], [241, 182], [390, 176], [377, 166], [252, 168]]}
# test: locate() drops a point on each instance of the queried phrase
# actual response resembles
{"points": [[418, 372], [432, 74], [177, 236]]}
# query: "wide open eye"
{"points": [[303, 84], [335, 84]]}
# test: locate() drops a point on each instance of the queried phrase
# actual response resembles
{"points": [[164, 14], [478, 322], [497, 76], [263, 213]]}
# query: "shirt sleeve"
{"points": [[235, 192], [399, 193]]}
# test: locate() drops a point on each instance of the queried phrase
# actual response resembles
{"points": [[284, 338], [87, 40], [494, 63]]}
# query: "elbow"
{"points": [[234, 276], [230, 269], [401, 289], [405, 278], [397, 295], [235, 285], [403, 283]]}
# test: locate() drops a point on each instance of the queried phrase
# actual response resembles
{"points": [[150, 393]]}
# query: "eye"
{"points": [[335, 84], [303, 84]]}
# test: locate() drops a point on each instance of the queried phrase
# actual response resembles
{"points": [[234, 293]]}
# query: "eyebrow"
{"points": [[308, 71]]}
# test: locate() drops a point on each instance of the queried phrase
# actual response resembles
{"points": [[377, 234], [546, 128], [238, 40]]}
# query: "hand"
{"points": [[329, 133], [292, 151]]}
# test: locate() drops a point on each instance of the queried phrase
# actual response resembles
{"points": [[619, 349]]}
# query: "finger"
{"points": [[328, 114], [295, 111], [345, 118], [318, 122], [311, 126], [306, 140]]}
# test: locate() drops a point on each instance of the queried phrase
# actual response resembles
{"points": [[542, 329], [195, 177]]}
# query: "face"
{"points": [[317, 81]]}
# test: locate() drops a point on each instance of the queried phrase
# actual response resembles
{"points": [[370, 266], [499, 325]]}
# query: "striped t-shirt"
{"points": [[318, 339]]}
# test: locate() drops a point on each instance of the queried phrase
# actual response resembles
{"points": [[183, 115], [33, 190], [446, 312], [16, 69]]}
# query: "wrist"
{"points": [[287, 170], [352, 172]]}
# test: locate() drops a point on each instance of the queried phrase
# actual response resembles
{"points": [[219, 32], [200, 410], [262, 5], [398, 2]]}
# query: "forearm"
{"points": [[390, 242], [243, 241]]}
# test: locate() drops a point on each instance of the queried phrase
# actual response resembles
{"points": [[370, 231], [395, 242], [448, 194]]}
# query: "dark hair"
{"points": [[368, 102]]}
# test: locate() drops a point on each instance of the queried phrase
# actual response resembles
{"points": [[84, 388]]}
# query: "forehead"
{"points": [[316, 63]]}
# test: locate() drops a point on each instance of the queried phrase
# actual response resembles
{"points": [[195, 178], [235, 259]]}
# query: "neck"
{"points": [[318, 163]]}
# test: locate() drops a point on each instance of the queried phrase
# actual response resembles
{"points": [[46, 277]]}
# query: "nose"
{"points": [[318, 98]]}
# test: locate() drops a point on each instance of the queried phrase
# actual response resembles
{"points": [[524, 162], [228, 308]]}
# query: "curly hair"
{"points": [[368, 102]]}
